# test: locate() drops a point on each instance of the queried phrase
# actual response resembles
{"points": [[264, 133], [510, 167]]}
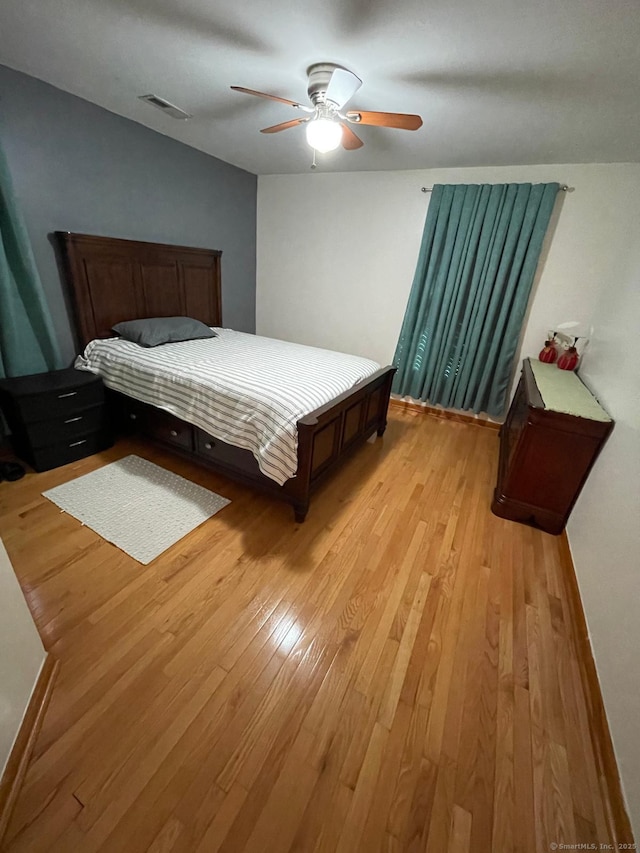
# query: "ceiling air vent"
{"points": [[165, 106]]}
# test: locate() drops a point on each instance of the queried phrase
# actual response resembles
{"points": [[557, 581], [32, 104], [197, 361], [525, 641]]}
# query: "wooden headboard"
{"points": [[113, 280]]}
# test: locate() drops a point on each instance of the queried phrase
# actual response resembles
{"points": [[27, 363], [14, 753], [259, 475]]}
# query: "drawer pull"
{"points": [[68, 394], [133, 417], [76, 443], [73, 420], [208, 445], [174, 433]]}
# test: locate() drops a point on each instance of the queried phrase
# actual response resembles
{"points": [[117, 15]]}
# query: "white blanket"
{"points": [[243, 389]]}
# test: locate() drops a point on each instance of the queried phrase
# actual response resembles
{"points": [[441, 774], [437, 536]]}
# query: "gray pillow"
{"points": [[153, 331]]}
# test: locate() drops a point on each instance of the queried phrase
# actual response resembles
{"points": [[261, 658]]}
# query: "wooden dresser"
{"points": [[548, 444], [55, 417]]}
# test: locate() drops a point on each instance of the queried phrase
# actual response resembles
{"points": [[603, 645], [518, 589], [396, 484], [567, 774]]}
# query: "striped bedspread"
{"points": [[246, 390]]}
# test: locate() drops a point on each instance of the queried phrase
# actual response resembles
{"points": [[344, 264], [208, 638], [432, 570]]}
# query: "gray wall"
{"points": [[77, 167]]}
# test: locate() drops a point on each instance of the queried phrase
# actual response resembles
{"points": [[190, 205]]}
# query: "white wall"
{"points": [[336, 256], [337, 252], [21, 656], [604, 527]]}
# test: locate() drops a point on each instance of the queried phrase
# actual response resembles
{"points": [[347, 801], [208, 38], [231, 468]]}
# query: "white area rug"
{"points": [[140, 507]]}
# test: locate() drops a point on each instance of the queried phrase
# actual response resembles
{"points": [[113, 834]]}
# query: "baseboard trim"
{"points": [[445, 414], [16, 768], [608, 775]]}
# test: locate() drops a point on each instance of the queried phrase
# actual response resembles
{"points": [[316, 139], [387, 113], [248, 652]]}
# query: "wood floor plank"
{"points": [[460, 837], [437, 830], [398, 674], [57, 812], [114, 799], [168, 838], [219, 827], [524, 801], [374, 829], [412, 765], [288, 799], [503, 835], [355, 820], [330, 795]]}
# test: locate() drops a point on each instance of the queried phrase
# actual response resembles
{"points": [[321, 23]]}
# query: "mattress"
{"points": [[246, 390]]}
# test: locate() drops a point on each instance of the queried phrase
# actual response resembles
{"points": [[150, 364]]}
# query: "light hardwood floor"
{"points": [[399, 673]]}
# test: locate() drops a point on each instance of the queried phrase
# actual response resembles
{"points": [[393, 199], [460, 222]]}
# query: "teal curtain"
{"points": [[27, 339], [479, 253]]}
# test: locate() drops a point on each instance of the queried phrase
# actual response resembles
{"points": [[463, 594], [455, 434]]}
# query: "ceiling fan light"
{"points": [[324, 135]]}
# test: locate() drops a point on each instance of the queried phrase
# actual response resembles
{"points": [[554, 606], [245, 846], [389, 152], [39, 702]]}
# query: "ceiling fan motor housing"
{"points": [[319, 76]]}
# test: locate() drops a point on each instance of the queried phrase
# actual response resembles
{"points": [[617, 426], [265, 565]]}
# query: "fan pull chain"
{"points": [[313, 162]]}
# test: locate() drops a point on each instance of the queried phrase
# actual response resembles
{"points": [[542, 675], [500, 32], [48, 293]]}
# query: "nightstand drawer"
{"points": [[61, 402], [67, 427], [63, 452]]}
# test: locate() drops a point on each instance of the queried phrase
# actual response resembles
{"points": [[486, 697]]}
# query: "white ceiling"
{"points": [[497, 82]]}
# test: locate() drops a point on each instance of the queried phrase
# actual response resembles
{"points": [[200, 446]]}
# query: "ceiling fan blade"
{"points": [[265, 95], [350, 140], [342, 87], [285, 125], [403, 121]]}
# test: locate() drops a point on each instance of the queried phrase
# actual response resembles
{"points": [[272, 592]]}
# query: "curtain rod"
{"points": [[565, 188]]}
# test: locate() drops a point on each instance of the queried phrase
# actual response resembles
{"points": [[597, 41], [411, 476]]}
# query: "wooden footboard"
{"points": [[329, 433], [325, 437]]}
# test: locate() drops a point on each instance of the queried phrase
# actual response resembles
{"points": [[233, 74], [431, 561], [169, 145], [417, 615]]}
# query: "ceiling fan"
{"points": [[328, 125]]}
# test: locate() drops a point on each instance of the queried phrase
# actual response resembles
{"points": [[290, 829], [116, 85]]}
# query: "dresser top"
{"points": [[40, 383], [563, 391]]}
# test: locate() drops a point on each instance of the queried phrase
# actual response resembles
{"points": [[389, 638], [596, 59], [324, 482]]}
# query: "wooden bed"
{"points": [[113, 280]]}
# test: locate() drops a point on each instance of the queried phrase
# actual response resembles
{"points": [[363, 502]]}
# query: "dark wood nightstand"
{"points": [[56, 417]]}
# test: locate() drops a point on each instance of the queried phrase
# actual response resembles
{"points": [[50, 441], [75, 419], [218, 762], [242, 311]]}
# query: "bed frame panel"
{"points": [[113, 280]]}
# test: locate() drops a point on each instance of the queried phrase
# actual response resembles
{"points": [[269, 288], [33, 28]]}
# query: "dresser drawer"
{"points": [[225, 454], [165, 427], [127, 413], [67, 426], [136, 416], [59, 403], [63, 452]]}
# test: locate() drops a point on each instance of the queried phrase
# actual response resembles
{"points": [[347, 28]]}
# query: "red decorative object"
{"points": [[549, 354], [569, 359]]}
